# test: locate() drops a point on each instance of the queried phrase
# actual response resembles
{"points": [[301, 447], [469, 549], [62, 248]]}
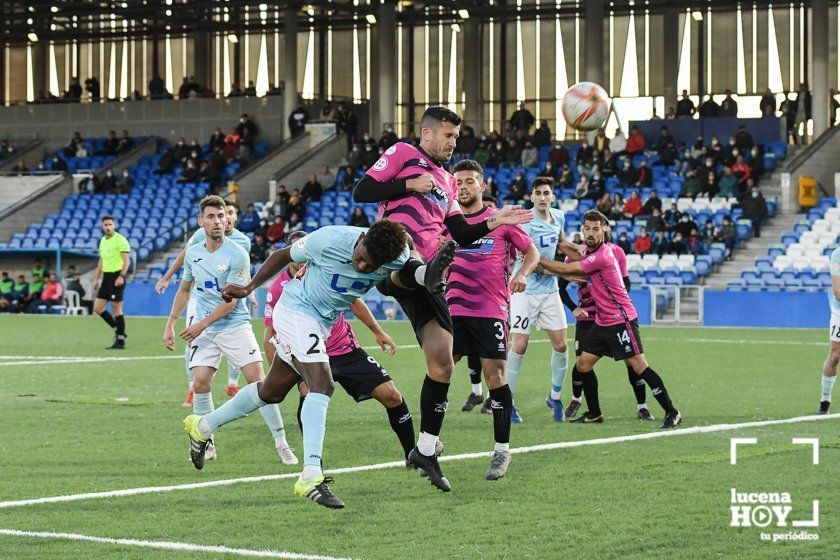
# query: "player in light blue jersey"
{"points": [[343, 264], [218, 327], [199, 237], [829, 373], [539, 305]]}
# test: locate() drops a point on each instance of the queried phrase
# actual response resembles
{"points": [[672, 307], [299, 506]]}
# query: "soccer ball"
{"points": [[586, 106]]}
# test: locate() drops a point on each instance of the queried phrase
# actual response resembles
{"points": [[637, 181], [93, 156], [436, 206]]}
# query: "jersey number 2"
{"points": [[314, 348]]}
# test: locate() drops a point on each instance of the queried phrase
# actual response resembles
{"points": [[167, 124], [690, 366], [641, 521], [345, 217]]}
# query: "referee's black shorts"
{"points": [[108, 290]]}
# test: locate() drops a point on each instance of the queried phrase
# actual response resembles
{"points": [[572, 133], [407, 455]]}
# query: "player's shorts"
{"points": [[834, 327], [545, 311], [192, 309], [621, 341], [481, 337], [299, 336], [420, 306], [358, 374], [108, 290], [238, 345], [582, 329]]}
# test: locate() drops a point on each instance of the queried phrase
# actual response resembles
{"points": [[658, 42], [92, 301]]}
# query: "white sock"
{"points": [[476, 389], [501, 447], [641, 406], [576, 399], [420, 275], [426, 444], [827, 386], [311, 471], [280, 441], [204, 428]]}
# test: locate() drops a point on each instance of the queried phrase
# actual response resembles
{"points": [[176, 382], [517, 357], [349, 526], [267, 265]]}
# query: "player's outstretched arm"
{"points": [[572, 251], [562, 269], [464, 233], [160, 285], [360, 309], [273, 264], [519, 280], [178, 304], [194, 331]]}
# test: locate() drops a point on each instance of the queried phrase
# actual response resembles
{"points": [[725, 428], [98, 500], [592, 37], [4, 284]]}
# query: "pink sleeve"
{"points": [[518, 237], [622, 261], [389, 164], [592, 263]]}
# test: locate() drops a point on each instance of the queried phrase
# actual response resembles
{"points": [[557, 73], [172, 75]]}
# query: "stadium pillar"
{"points": [[670, 55], [290, 65], [593, 63], [387, 65], [39, 70], [819, 65], [473, 108], [201, 58]]}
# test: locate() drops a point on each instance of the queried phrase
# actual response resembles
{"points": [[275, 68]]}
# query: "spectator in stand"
{"points": [[249, 220], [567, 177], [7, 285], [513, 154], [802, 113], [635, 142], [277, 230], [358, 218], [20, 168], [669, 114], [608, 164], [685, 225], [369, 156], [582, 188], [348, 179], [125, 183], [388, 138], [530, 156], [181, 151], [685, 106], [597, 187], [347, 124], [549, 171], [296, 205], [109, 182], [74, 92], [246, 124], [111, 143], [788, 113], [585, 153], [655, 222], [207, 174], [616, 211], [601, 141], [767, 105], [467, 143], [251, 90], [217, 139], [312, 190], [632, 206], [677, 245], [618, 144], [709, 108], [482, 154], [157, 87], [729, 235], [756, 162], [326, 178], [664, 139], [57, 164], [125, 144], [743, 140], [518, 187], [624, 243], [297, 120], [278, 206], [49, 296], [643, 242], [710, 233], [710, 188], [628, 175], [644, 176], [728, 107], [692, 186], [259, 247], [755, 208], [355, 156], [685, 163], [189, 174], [558, 156], [604, 204], [295, 223], [522, 119], [742, 171], [218, 161], [668, 155], [652, 203], [728, 184], [542, 136], [660, 244], [694, 243]]}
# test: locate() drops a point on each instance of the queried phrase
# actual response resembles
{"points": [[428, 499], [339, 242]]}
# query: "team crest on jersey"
{"points": [[392, 150], [223, 267], [380, 164], [423, 163]]}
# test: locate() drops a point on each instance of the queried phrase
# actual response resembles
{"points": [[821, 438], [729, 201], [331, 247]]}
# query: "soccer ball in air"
{"points": [[586, 106]]}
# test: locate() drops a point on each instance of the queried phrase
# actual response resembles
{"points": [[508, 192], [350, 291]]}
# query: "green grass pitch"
{"points": [[72, 426]]}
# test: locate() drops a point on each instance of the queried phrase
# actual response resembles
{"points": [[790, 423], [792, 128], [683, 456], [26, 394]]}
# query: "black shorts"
{"points": [[582, 329], [481, 337], [108, 290], [420, 306], [358, 374], [620, 341]]}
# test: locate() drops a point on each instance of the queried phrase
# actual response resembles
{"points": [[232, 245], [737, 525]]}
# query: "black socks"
{"points": [[590, 390], [108, 318], [638, 385], [403, 426], [501, 403], [433, 405], [657, 387]]}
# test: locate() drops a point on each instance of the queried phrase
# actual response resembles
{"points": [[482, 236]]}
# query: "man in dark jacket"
{"points": [[522, 119], [685, 106], [755, 208], [728, 107]]}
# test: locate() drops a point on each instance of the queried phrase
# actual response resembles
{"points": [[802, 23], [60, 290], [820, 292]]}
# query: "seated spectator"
{"points": [[217, 139], [109, 182], [326, 178], [58, 164], [664, 139], [246, 139], [295, 223], [348, 180], [207, 174], [618, 144], [660, 243], [617, 209], [218, 161], [655, 222], [542, 135], [632, 206], [582, 188], [482, 154], [296, 205], [182, 151], [20, 168], [685, 163], [125, 144], [355, 156], [259, 247], [604, 205], [652, 203], [276, 231], [624, 243], [677, 245], [601, 141], [694, 243], [276, 207], [549, 171], [497, 153], [635, 142], [643, 242], [644, 176], [668, 155], [728, 184], [530, 156], [492, 189], [518, 187], [742, 171], [6, 287], [111, 144], [249, 220], [231, 144], [566, 180], [710, 188], [729, 235], [466, 145], [756, 162], [369, 156], [513, 154], [358, 218], [312, 189], [710, 233], [49, 296], [559, 156], [628, 175], [584, 155], [126, 182], [597, 186], [671, 217], [577, 239], [691, 187], [755, 208], [685, 225], [743, 140], [166, 163], [189, 174]]}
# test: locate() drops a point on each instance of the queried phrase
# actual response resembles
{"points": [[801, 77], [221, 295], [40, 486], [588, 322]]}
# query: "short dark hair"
{"points": [[294, 236], [211, 200], [385, 240], [468, 165], [540, 181], [107, 217], [596, 216], [232, 203], [439, 114]]}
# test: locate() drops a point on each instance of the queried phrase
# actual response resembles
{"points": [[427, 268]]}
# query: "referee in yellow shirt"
{"points": [[112, 266]]}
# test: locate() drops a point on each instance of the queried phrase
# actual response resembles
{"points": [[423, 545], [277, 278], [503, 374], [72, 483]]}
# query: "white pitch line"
{"points": [[394, 464], [168, 545]]}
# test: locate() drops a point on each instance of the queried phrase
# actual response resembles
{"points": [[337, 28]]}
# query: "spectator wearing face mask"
{"points": [[597, 186], [728, 184], [530, 155], [685, 162], [566, 180], [741, 170], [624, 243], [549, 171], [518, 187], [659, 244], [685, 225], [126, 182], [652, 203], [756, 162], [628, 175], [559, 155], [643, 242], [109, 182], [369, 156], [694, 243], [692, 186], [729, 235]]}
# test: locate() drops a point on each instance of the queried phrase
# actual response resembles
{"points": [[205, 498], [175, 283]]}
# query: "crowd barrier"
{"points": [[763, 130]]}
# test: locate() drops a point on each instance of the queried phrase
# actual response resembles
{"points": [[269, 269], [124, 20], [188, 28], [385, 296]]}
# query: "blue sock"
{"points": [[559, 365], [313, 416], [514, 362], [271, 415], [233, 374], [187, 351], [203, 404], [244, 403]]}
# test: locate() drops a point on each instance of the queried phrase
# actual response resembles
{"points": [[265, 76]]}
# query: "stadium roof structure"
{"points": [[84, 20]]}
